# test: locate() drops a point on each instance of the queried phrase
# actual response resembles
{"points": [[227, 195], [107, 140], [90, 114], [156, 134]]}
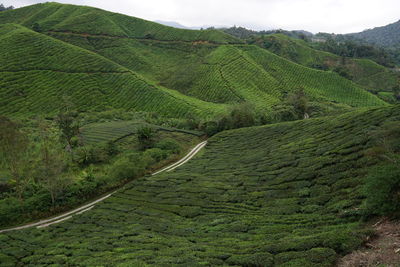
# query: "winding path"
{"points": [[89, 206]]}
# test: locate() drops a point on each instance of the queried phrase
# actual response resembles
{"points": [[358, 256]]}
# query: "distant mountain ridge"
{"points": [[385, 36], [175, 24]]}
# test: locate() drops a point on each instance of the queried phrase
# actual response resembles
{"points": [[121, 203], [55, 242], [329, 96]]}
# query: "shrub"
{"points": [[128, 167], [91, 154], [382, 190], [256, 259], [10, 209], [156, 154], [145, 136], [170, 145]]}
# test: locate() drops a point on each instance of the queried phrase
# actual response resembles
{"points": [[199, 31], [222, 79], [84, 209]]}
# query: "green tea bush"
{"points": [[250, 260], [382, 190]]}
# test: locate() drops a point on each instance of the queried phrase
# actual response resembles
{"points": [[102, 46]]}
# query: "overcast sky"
{"points": [[333, 16]]}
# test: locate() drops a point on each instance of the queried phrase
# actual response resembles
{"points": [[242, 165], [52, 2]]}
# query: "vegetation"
{"points": [[375, 78], [180, 76], [283, 194], [45, 173], [385, 36], [82, 19], [3, 8], [93, 100], [38, 71]]}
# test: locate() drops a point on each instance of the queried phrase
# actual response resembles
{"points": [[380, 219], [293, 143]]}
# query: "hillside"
{"points": [[285, 195], [36, 71], [195, 71], [82, 19], [221, 73], [376, 78], [386, 36]]}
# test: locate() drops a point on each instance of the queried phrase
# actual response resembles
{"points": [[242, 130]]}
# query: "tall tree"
{"points": [[52, 163], [67, 122], [15, 154]]}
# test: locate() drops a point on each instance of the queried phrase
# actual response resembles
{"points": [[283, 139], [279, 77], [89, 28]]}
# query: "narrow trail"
{"points": [[67, 215]]}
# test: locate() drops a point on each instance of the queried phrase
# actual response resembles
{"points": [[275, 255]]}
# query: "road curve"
{"points": [[89, 206]]}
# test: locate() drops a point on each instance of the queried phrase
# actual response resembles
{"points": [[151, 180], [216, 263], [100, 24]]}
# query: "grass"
{"points": [[285, 194]]}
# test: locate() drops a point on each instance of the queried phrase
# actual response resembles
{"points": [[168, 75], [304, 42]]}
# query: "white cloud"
{"points": [[339, 16]]}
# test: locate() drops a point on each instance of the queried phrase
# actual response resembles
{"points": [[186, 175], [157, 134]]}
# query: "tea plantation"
{"points": [[37, 71], [117, 130], [102, 59], [83, 19], [223, 73], [364, 72], [286, 194]]}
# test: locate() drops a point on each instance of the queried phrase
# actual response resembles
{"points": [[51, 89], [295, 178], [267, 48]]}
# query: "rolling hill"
{"points": [[160, 69], [37, 71], [88, 20], [287, 194], [376, 78]]}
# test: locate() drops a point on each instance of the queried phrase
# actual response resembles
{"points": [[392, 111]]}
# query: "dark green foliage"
{"points": [[128, 167], [386, 36], [67, 122], [169, 145], [299, 101], [345, 47], [365, 72], [252, 260], [145, 136], [287, 194], [15, 154], [92, 154], [382, 190], [3, 8], [343, 72]]}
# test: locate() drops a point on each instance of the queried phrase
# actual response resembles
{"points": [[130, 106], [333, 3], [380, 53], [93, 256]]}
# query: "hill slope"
{"points": [[222, 73], [386, 36], [37, 70], [82, 19], [161, 69], [365, 72], [284, 195]]}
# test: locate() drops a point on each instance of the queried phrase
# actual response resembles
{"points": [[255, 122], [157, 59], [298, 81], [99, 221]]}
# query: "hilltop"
{"points": [[287, 194], [83, 19], [386, 36]]}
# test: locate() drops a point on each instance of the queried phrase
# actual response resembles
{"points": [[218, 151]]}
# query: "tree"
{"points": [[36, 27], [67, 122], [242, 115], [299, 101], [3, 8], [145, 136], [51, 164], [15, 154]]}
